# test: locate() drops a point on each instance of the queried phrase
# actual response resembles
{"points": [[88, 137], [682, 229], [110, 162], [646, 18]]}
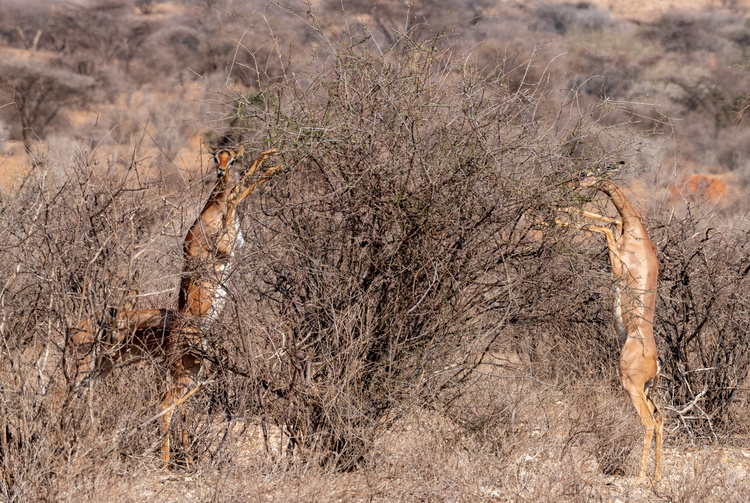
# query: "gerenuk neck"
{"points": [[626, 210]]}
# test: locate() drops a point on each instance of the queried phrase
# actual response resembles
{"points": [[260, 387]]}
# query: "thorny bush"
{"points": [[406, 240], [412, 236], [700, 317]]}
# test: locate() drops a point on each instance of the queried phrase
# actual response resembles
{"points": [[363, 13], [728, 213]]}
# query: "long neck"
{"points": [[219, 192], [624, 208]]}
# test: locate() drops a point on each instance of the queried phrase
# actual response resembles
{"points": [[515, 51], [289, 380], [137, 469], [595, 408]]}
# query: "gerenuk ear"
{"points": [[212, 150], [240, 151]]}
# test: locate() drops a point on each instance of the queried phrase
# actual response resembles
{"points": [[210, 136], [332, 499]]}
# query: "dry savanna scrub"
{"points": [[407, 321]]}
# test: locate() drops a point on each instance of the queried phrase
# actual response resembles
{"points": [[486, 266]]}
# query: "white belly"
{"points": [[220, 298], [239, 242], [622, 333]]}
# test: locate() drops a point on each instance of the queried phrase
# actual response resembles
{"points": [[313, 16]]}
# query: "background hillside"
{"points": [[159, 75], [406, 322]]}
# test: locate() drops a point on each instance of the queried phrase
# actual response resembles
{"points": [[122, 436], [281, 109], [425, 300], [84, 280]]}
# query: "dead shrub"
{"points": [[399, 236], [702, 298], [408, 250], [68, 252], [602, 423]]}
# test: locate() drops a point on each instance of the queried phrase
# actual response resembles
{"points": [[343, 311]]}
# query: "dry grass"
{"points": [[548, 451], [399, 324]]}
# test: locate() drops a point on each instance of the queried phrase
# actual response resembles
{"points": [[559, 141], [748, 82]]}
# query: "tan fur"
{"points": [[176, 336], [209, 244], [635, 269], [140, 335]]}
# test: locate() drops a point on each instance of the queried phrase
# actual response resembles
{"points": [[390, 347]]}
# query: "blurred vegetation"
{"points": [[683, 74]]}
